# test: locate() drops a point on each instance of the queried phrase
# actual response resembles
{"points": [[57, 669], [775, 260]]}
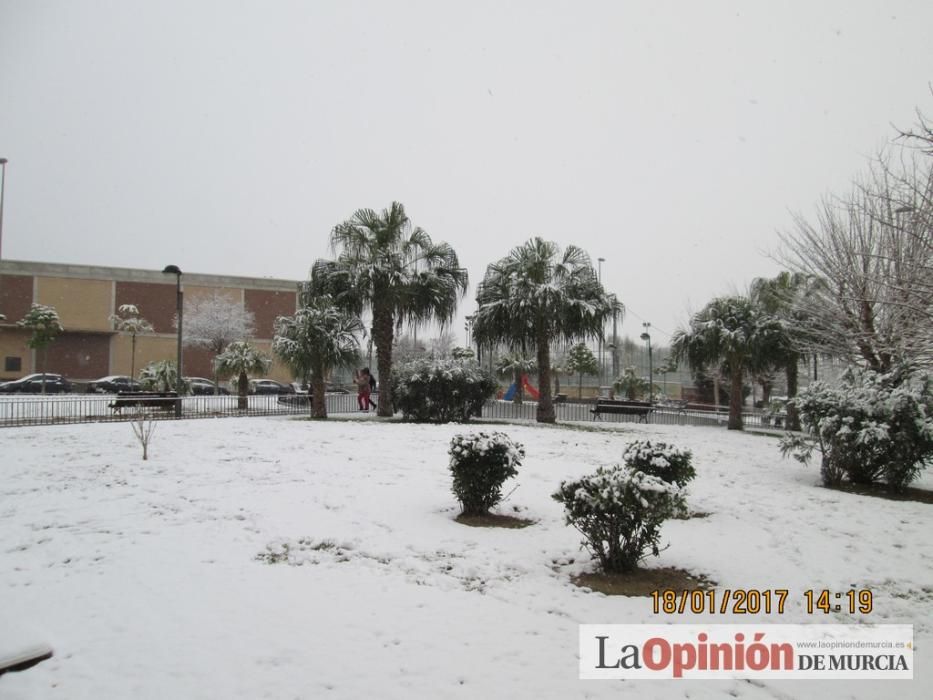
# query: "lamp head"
{"points": [[645, 336], [171, 270]]}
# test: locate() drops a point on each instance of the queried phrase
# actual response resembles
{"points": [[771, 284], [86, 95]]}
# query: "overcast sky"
{"points": [[672, 139]]}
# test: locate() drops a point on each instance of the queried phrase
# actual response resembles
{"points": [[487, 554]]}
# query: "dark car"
{"points": [[113, 384], [199, 386], [269, 386], [32, 384]]}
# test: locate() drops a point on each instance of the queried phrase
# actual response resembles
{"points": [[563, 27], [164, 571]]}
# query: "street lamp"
{"points": [[173, 270], [599, 278], [3, 162], [647, 338]]}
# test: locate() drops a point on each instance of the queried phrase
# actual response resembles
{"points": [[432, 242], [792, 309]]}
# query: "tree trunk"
{"points": [[793, 417], [242, 392], [518, 387], [45, 359], [383, 331], [580, 386], [716, 390], [545, 412], [133, 360], [735, 398], [318, 399]]}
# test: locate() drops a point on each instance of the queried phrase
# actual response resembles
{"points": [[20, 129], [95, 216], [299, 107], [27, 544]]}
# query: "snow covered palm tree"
{"points": [[733, 334], [128, 320], [316, 340], [780, 297], [394, 269], [241, 359], [537, 295]]}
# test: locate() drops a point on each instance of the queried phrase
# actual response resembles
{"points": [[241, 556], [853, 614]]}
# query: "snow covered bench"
{"points": [[630, 408], [24, 657], [165, 400]]}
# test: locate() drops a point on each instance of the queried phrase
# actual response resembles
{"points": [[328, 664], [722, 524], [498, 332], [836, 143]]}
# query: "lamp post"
{"points": [[3, 162], [647, 338], [173, 270], [599, 278]]}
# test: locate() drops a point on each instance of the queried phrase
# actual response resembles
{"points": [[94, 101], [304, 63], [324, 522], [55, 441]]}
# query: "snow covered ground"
{"points": [[144, 576]]}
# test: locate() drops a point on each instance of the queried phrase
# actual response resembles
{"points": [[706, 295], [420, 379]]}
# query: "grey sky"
{"points": [[673, 139]]}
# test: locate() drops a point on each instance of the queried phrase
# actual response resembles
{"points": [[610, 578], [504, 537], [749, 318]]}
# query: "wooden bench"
{"points": [[630, 408], [166, 400]]}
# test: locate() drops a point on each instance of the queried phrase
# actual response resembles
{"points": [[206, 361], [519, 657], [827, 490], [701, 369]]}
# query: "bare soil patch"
{"points": [[494, 520], [643, 582], [882, 491]]}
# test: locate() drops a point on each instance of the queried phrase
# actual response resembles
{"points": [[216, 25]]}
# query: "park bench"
{"points": [[629, 408], [21, 658], [166, 400]]}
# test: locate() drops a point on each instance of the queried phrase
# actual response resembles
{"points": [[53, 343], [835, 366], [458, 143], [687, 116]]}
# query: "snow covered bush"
{"points": [[480, 464], [162, 376], [873, 428], [440, 390], [619, 511], [672, 464]]}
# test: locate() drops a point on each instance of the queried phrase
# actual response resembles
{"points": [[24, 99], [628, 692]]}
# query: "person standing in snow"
{"points": [[361, 379], [372, 387]]}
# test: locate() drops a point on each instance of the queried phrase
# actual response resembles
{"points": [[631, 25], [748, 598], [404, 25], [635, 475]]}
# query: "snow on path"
{"points": [[145, 579]]}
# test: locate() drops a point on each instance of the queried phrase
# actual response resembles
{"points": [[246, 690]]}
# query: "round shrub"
{"points": [[442, 391], [872, 428], [619, 511], [480, 464], [669, 463]]}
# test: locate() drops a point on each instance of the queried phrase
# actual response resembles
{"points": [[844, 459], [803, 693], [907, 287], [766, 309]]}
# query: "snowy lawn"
{"points": [[144, 576]]}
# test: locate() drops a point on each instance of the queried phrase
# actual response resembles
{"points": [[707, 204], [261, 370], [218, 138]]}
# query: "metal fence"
{"points": [[96, 408], [659, 415]]}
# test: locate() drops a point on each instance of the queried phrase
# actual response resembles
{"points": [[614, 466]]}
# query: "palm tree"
{"points": [[316, 340], [630, 385], [394, 269], [128, 320], [241, 359], [537, 295], [779, 297], [733, 334]]}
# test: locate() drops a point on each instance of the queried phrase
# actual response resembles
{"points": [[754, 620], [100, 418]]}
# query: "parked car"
{"points": [[269, 386], [199, 386], [32, 384], [113, 384]]}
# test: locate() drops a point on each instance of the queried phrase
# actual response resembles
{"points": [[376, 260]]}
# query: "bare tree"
{"points": [[872, 253], [143, 427], [213, 322]]}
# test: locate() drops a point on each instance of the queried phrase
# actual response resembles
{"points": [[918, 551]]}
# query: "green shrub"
{"points": [[669, 463], [873, 428], [619, 511], [480, 464], [442, 391]]}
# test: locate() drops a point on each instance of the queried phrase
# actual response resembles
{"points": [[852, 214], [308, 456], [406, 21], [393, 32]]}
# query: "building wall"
{"points": [[13, 345], [85, 298], [78, 355], [267, 306], [82, 305], [156, 302]]}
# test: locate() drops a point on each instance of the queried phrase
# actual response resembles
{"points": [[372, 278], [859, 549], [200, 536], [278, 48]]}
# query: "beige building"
{"points": [[85, 297]]}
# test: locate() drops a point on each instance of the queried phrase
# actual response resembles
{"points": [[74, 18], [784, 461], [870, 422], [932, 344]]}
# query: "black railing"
{"points": [[659, 415], [95, 408]]}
